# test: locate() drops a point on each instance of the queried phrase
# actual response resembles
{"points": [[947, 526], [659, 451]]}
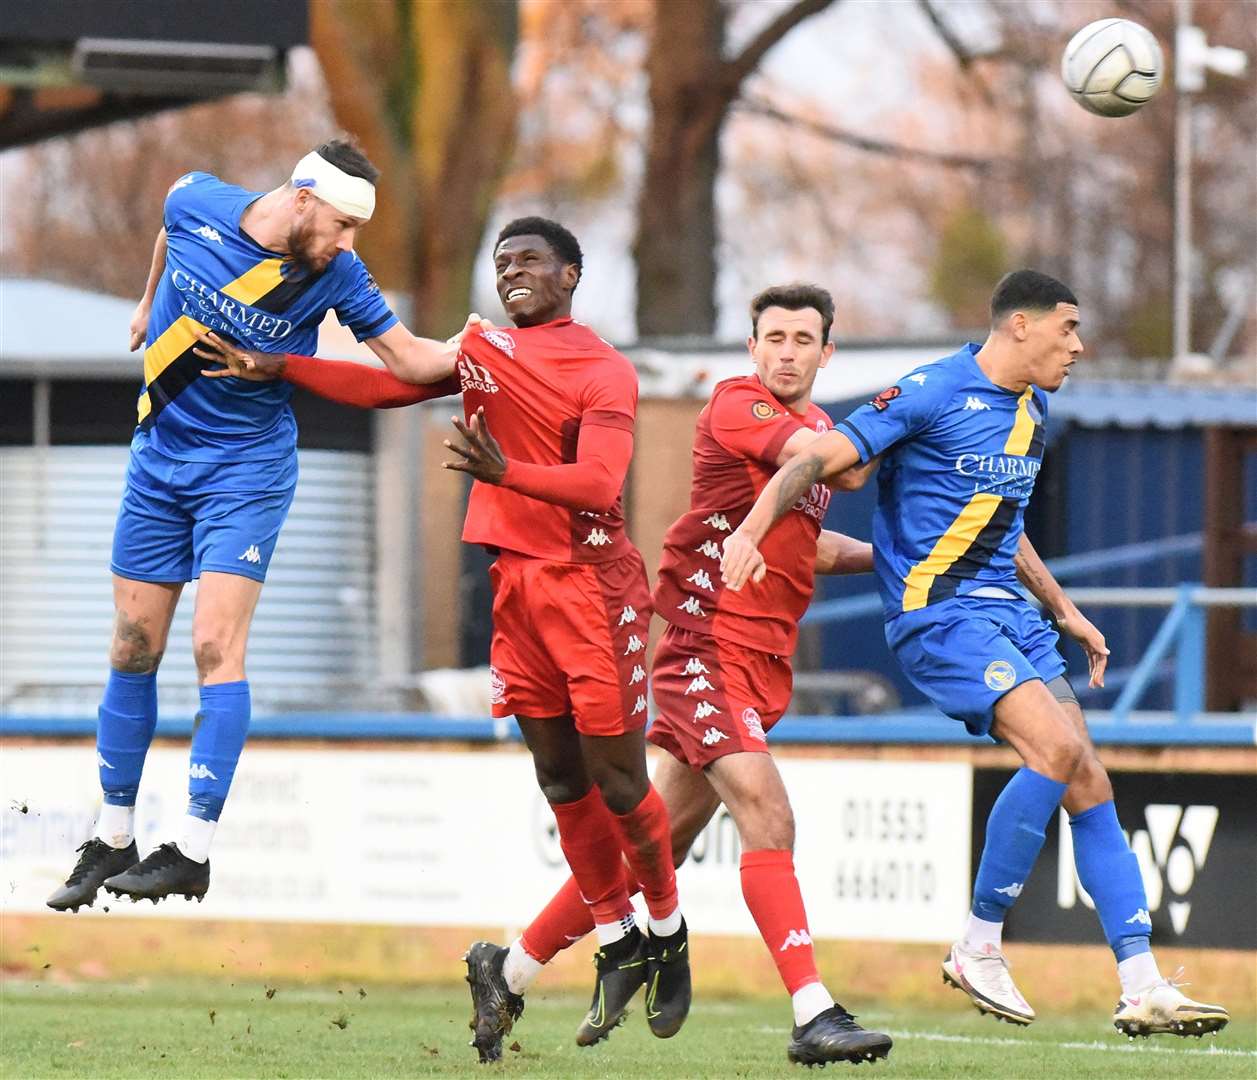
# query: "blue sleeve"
{"points": [[184, 196], [362, 306], [897, 413]]}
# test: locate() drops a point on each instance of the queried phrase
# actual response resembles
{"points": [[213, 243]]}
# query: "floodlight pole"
{"points": [[1193, 56], [1182, 192]]}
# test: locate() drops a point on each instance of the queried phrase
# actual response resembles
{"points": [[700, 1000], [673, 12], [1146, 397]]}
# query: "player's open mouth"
{"points": [[518, 294]]}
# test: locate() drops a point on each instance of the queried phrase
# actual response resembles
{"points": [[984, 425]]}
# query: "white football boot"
{"points": [[983, 974], [1163, 1009]]}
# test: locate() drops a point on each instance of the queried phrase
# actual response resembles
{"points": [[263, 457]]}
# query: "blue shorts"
{"points": [[181, 518], [966, 653]]}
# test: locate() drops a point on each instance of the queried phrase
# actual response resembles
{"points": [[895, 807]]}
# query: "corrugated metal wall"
{"points": [[314, 628]]}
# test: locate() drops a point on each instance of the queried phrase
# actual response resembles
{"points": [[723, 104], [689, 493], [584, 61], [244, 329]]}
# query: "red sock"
{"points": [[772, 894], [565, 920], [646, 836], [588, 837]]}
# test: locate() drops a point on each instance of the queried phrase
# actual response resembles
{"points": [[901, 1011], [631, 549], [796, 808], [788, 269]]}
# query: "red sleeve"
{"points": [[592, 482], [362, 385], [746, 420], [609, 398]]}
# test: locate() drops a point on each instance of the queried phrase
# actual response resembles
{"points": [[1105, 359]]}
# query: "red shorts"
{"points": [[714, 697], [570, 639]]}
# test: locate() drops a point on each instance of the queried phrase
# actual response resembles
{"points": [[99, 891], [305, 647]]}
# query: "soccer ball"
{"points": [[1112, 67]]}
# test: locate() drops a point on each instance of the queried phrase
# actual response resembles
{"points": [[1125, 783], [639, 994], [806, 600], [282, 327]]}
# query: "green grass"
{"points": [[202, 1029]]}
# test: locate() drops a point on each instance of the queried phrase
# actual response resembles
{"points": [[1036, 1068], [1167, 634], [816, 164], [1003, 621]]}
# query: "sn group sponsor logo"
{"points": [[816, 502], [472, 376]]}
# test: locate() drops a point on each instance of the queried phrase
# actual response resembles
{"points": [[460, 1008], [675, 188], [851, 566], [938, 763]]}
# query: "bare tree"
{"points": [[425, 85], [692, 86]]}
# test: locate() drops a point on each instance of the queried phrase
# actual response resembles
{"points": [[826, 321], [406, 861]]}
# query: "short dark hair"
{"points": [[794, 297], [1028, 290], [349, 158], [560, 239]]}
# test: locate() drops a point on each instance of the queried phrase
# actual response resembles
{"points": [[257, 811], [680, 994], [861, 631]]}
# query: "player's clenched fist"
{"points": [[741, 561]]}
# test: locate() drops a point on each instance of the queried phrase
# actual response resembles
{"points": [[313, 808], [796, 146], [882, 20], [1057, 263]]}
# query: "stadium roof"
{"points": [[50, 330]]}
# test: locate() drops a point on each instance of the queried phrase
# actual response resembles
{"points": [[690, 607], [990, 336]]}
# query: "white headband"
{"points": [[351, 195]]}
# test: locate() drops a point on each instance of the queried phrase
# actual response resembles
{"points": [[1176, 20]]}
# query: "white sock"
{"points": [[519, 969], [1138, 972], [665, 927], [195, 837], [980, 932], [116, 825], [809, 1002], [610, 933]]}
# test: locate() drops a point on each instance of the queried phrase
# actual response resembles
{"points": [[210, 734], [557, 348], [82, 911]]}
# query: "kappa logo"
{"points": [[182, 182], [702, 579], [100, 760], [704, 709], [501, 340], [639, 706], [251, 555], [497, 687], [796, 939], [1014, 890], [628, 615], [918, 378], [754, 725], [718, 521], [709, 548], [639, 673], [635, 645], [1171, 850], [1141, 916], [597, 538], [199, 771], [209, 233], [712, 736], [473, 376], [694, 666], [975, 404], [698, 683], [692, 606]]}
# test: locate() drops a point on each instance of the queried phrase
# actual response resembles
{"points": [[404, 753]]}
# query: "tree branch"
{"points": [[866, 143], [737, 69], [963, 54]]}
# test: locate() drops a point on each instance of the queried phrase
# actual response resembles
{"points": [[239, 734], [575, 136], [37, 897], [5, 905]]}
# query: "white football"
{"points": [[1112, 67]]}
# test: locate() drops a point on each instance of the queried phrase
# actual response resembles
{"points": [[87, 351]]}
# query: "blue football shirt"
{"points": [[960, 457], [218, 278]]}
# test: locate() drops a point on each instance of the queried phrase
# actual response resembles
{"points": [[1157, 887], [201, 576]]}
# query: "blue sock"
{"points": [[221, 727], [1014, 835], [127, 718], [1109, 871]]}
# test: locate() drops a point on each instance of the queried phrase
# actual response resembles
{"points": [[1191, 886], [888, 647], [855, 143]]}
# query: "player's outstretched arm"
{"points": [[342, 381], [421, 360], [139, 320], [837, 553], [820, 462], [1036, 577], [592, 482]]}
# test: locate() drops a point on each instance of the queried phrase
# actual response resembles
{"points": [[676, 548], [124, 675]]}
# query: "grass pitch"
{"points": [[199, 1029]]}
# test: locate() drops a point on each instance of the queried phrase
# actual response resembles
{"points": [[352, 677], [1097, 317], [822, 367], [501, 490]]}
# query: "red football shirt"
{"points": [[739, 434], [539, 385]]}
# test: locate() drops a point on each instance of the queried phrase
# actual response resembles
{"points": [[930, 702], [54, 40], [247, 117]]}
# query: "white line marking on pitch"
{"points": [[1119, 1048]]}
